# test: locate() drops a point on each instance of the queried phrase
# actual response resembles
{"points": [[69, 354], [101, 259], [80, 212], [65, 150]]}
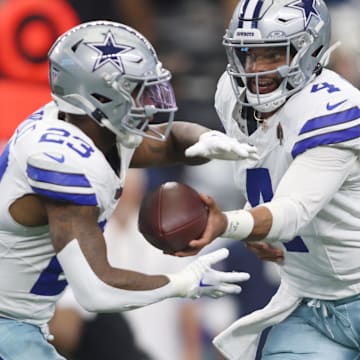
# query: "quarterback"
{"points": [[303, 192], [62, 173]]}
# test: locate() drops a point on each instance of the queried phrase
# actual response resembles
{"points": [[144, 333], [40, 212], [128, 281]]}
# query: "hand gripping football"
{"points": [[171, 216]]}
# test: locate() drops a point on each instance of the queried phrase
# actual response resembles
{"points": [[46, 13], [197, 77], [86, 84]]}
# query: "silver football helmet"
{"points": [[299, 28], [110, 72]]}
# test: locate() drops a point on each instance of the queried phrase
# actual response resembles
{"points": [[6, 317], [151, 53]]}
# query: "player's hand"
{"points": [[216, 145], [265, 251], [199, 279]]}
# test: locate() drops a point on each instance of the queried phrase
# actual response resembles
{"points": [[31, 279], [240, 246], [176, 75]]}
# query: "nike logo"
{"points": [[334, 106], [59, 158]]}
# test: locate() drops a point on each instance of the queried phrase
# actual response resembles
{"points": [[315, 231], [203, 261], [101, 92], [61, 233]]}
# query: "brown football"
{"points": [[171, 216]]}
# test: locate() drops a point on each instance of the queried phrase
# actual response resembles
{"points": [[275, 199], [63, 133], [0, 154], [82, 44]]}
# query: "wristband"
{"points": [[240, 224]]}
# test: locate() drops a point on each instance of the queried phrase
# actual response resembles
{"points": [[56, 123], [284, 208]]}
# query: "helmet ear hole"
{"points": [[101, 98], [316, 53]]}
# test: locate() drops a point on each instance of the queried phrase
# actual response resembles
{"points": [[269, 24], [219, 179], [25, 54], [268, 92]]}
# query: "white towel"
{"points": [[240, 340]]}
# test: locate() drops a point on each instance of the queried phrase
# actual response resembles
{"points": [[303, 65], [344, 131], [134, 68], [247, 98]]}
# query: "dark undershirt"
{"points": [[248, 114]]}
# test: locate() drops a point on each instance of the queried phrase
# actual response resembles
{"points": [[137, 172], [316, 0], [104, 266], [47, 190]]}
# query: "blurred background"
{"points": [[187, 35]]}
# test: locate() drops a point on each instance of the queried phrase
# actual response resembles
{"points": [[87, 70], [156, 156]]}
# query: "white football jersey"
{"points": [[322, 257], [53, 158]]}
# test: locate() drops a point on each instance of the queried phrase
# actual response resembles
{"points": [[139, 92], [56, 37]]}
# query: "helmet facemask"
{"points": [[289, 75], [143, 101], [278, 25], [152, 101]]}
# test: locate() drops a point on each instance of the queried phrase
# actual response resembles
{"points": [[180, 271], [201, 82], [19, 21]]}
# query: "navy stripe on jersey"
{"points": [[57, 178], [326, 139], [330, 120], [78, 199]]}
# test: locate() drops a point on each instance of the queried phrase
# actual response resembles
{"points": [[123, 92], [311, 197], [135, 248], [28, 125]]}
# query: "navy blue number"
{"points": [[25, 127], [258, 185], [61, 136], [324, 86], [48, 283]]}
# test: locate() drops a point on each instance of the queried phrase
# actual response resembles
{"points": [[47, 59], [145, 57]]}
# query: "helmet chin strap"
{"points": [[130, 141], [125, 138]]}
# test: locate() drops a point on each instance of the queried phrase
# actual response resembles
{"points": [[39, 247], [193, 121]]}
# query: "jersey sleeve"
{"points": [[308, 185], [50, 175], [329, 129]]}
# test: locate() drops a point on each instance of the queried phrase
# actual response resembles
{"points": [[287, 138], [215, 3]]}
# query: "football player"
{"points": [[303, 192], [62, 173]]}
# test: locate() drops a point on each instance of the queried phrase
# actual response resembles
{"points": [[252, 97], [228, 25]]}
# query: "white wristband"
{"points": [[240, 224]]}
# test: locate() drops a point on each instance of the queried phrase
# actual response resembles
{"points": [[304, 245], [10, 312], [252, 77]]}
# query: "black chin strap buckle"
{"points": [[98, 115], [318, 69]]}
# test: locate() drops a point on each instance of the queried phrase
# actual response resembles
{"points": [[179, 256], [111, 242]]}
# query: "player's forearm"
{"points": [[263, 221], [172, 151], [183, 135], [252, 225], [94, 294], [132, 280], [308, 185]]}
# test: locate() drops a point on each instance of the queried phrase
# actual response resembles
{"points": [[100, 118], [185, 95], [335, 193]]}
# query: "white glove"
{"points": [[216, 145], [199, 279]]}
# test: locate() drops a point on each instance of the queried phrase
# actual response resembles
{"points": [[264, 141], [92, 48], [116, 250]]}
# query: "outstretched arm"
{"points": [[191, 144], [172, 151], [307, 186], [98, 286]]}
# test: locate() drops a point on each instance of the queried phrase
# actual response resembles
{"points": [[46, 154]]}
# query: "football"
{"points": [[171, 216]]}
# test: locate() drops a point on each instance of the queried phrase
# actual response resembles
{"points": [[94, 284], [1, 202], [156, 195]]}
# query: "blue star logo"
{"points": [[307, 7], [109, 52]]}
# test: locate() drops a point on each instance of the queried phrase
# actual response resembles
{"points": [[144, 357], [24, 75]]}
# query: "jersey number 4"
{"points": [[48, 283], [258, 185]]}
